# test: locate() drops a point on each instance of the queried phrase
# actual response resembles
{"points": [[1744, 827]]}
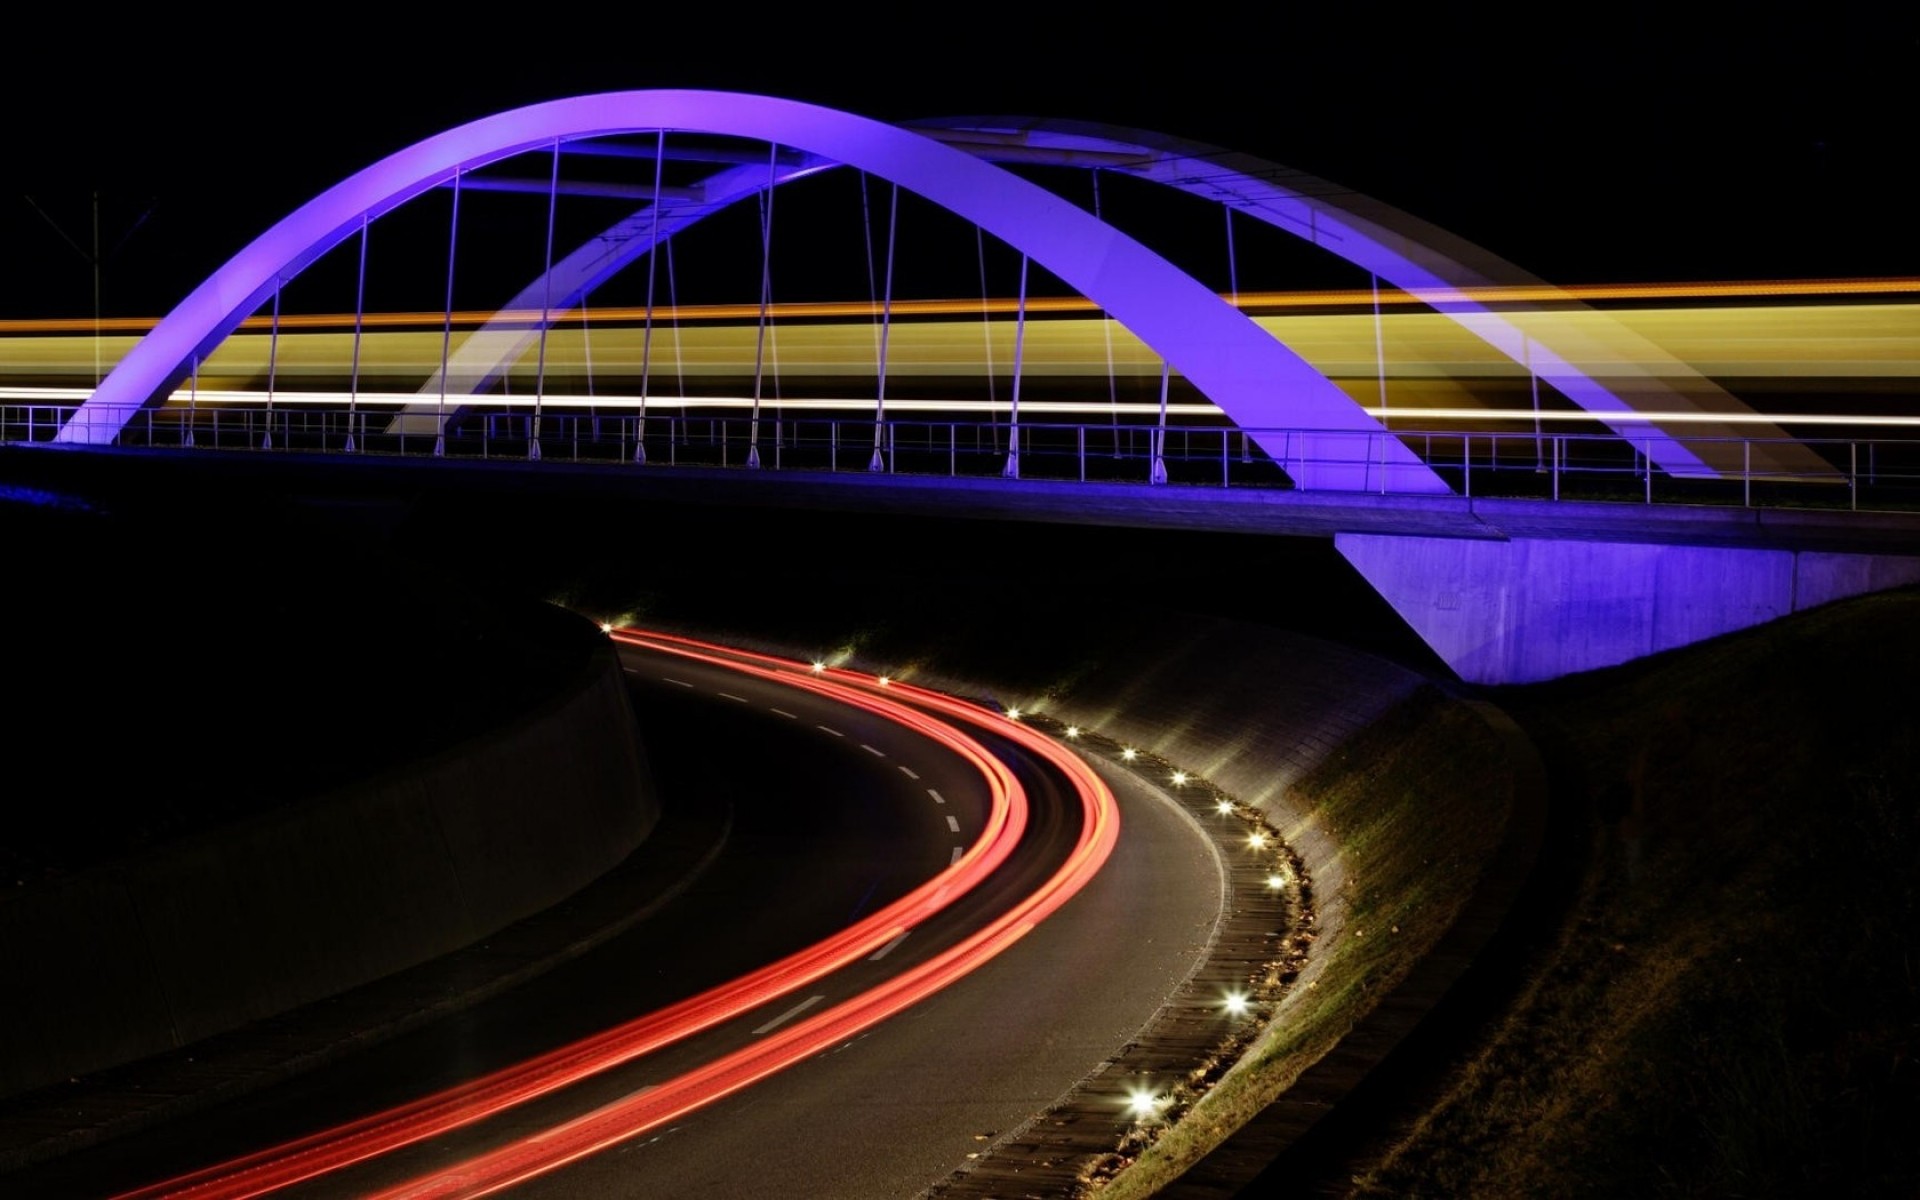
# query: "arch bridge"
{"points": [[1497, 606]]}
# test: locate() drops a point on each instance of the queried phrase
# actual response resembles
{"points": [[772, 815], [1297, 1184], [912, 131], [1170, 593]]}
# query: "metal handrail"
{"points": [[1857, 473]]}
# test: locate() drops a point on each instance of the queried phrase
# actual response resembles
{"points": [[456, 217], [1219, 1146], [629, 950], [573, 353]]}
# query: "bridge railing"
{"points": [[1859, 472]]}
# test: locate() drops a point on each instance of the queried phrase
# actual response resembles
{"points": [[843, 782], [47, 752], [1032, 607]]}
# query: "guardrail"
{"points": [[1859, 473]]}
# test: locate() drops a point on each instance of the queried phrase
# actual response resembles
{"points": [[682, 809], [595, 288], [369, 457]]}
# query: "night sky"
{"points": [[1591, 144]]}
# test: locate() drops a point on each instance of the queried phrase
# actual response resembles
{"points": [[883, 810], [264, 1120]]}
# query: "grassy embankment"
{"points": [[1732, 1005], [1417, 802]]}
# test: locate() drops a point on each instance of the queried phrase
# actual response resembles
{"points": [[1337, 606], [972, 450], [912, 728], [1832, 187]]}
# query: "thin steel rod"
{"points": [[886, 326], [546, 306], [359, 324], [446, 329], [646, 337], [766, 299], [1012, 470]]}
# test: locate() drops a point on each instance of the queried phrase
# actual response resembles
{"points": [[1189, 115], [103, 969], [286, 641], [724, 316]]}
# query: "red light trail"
{"points": [[332, 1149], [633, 1115]]}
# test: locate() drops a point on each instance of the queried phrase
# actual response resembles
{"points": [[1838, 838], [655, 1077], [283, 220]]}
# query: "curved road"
{"points": [[836, 813]]}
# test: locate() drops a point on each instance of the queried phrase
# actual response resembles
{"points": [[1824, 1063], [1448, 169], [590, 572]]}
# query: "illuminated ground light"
{"points": [[1129, 754], [884, 681], [1223, 806], [1143, 1104], [606, 627], [1073, 731], [1276, 881], [1235, 1003], [1013, 714], [1179, 779], [818, 666], [1257, 840]]}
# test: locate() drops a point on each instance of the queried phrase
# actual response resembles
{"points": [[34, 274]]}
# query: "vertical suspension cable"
{"points": [[359, 323], [646, 337], [1106, 333], [1379, 350], [866, 240], [273, 356], [1012, 470], [586, 364], [1233, 293], [446, 328], [986, 328], [1533, 377], [1157, 470], [546, 306], [1233, 262], [766, 296], [673, 303], [886, 326], [193, 401]]}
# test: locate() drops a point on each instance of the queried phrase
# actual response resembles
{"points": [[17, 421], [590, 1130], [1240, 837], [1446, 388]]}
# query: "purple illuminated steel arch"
{"points": [[1602, 365], [1255, 379], [1604, 368]]}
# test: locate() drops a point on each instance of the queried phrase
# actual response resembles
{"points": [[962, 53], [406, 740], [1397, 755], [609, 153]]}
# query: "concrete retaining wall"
{"points": [[209, 933], [1529, 609]]}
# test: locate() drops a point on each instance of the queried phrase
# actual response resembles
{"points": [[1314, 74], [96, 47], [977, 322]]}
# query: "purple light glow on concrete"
{"points": [[1255, 379], [1523, 610], [1599, 368]]}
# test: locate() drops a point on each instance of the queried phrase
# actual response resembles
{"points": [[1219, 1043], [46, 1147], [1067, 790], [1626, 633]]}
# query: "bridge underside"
{"points": [[1524, 610]]}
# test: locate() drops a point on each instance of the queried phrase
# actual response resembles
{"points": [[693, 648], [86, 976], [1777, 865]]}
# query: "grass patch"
{"points": [[1417, 802], [1731, 1005]]}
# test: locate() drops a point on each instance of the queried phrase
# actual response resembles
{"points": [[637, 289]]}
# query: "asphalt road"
{"points": [[826, 827]]}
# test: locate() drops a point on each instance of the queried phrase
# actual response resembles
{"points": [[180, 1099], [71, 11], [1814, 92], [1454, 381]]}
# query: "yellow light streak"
{"points": [[790, 310], [863, 407]]}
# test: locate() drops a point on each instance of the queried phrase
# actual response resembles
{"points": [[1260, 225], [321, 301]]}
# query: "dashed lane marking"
{"points": [[791, 1013]]}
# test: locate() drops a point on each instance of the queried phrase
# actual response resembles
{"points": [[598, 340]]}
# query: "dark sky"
{"points": [[1590, 144]]}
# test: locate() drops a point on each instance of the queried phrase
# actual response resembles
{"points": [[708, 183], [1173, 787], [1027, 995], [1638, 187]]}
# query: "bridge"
{"points": [[1590, 499]]}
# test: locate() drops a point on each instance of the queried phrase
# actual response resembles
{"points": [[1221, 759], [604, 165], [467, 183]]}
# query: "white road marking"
{"points": [[780, 712], [681, 682], [887, 949], [937, 797], [957, 852], [544, 1134], [791, 1013], [825, 729], [731, 696], [953, 823], [872, 751], [908, 772]]}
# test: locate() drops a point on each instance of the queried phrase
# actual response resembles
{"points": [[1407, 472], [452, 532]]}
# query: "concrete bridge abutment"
{"points": [[1528, 609]]}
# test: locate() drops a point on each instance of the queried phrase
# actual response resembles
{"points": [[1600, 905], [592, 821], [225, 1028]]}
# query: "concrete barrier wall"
{"points": [[241, 923]]}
